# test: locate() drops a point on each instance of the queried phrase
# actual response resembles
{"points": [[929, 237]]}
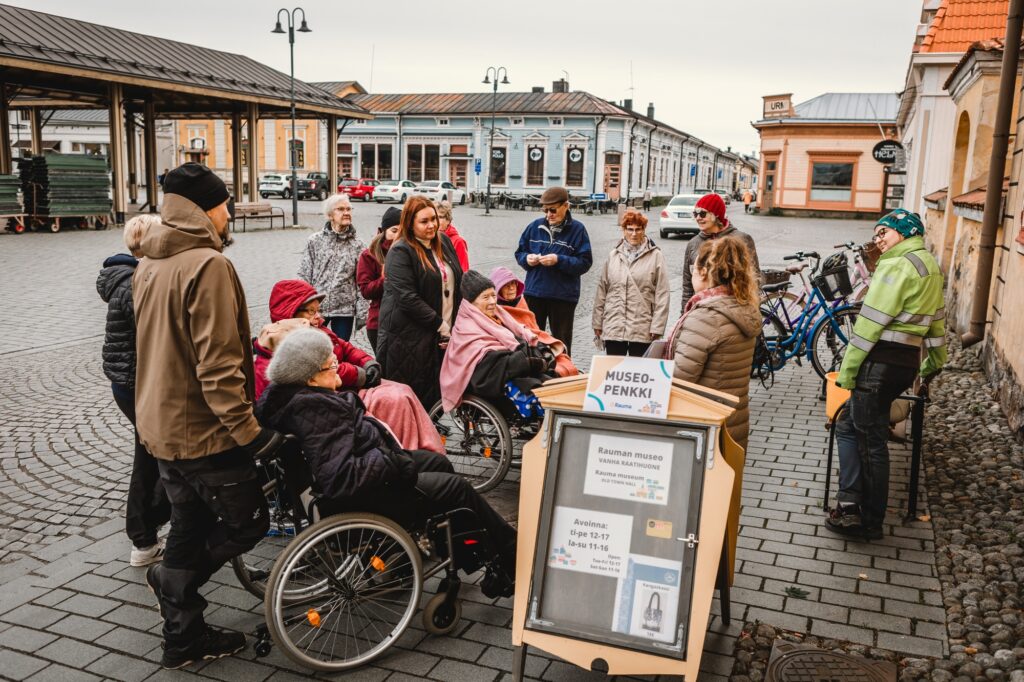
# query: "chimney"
{"points": [[538, 88], [650, 110], [778, 106], [627, 104], [560, 85]]}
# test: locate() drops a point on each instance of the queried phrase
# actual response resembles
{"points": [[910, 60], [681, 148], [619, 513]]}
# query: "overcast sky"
{"points": [[703, 63]]}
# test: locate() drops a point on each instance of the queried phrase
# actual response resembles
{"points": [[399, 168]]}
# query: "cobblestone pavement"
{"points": [[72, 608]]}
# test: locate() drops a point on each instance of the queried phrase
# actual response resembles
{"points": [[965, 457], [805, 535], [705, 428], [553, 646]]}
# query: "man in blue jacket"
{"points": [[555, 252]]}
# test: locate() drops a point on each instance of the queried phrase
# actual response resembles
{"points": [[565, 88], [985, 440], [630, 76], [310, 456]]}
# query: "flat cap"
{"points": [[554, 195]]}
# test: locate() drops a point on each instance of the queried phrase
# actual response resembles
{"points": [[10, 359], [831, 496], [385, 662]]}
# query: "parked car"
{"points": [[393, 190], [438, 190], [725, 195], [677, 216], [278, 185], [361, 188], [313, 186]]}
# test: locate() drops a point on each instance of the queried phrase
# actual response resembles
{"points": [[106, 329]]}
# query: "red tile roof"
{"points": [[958, 23]]}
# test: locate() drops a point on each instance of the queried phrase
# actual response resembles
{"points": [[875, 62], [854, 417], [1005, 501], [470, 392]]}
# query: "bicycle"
{"points": [[823, 325]]}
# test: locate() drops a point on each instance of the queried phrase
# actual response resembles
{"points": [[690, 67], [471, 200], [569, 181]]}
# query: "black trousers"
{"points": [[438, 490], [634, 349], [218, 512], [371, 334], [148, 507], [559, 313]]}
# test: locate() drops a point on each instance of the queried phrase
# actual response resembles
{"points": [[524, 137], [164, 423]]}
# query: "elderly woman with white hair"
{"points": [[329, 264], [147, 507]]}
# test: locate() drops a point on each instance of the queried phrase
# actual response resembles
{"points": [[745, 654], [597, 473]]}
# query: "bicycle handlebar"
{"points": [[802, 255]]}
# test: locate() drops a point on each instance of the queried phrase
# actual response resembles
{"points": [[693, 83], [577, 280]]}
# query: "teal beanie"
{"points": [[903, 221]]}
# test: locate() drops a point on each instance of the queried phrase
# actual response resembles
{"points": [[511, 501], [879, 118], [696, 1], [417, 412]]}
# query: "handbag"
{"points": [[652, 614]]}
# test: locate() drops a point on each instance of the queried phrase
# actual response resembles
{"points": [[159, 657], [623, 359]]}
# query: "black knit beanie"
{"points": [[391, 217], [198, 184], [474, 284]]}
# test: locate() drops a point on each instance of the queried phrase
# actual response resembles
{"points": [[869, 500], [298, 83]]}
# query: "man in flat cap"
{"points": [[194, 392], [555, 252]]}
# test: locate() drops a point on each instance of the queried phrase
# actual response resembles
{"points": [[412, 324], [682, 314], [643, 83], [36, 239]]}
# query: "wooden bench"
{"points": [[256, 211]]}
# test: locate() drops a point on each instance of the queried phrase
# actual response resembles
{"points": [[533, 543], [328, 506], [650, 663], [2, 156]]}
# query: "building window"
{"points": [[442, 122], [499, 156], [384, 169], [831, 181], [771, 165], [197, 143], [368, 161], [424, 162], [535, 166], [574, 167], [516, 121], [556, 122]]}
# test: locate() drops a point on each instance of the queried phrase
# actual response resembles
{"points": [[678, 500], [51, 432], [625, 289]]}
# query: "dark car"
{"points": [[313, 186]]}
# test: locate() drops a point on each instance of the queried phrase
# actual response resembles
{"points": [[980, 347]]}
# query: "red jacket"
{"points": [[461, 247], [286, 298], [370, 280]]}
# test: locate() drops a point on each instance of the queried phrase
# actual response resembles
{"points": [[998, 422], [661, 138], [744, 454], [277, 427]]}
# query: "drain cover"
{"points": [[804, 663]]}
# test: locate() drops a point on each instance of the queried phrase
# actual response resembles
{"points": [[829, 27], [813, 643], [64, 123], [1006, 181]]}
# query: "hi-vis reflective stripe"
{"points": [[875, 315], [940, 314], [911, 318], [862, 343], [922, 269], [935, 342], [901, 337]]}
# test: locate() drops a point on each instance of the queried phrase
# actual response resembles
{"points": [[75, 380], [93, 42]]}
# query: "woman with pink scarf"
{"points": [[489, 349]]}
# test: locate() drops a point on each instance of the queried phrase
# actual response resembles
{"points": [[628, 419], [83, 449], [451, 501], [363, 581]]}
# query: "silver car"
{"points": [[677, 216]]}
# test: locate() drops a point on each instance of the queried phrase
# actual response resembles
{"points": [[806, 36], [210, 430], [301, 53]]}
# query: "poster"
{"points": [[625, 385], [590, 541], [647, 599], [628, 469]]}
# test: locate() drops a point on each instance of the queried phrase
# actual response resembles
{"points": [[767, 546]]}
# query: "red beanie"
{"points": [[713, 203]]}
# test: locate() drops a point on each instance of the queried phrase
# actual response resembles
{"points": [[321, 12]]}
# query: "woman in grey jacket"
{"points": [[631, 303]]}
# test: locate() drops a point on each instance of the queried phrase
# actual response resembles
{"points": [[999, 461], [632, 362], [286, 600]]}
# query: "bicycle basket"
{"points": [[833, 283], [774, 276], [869, 255]]}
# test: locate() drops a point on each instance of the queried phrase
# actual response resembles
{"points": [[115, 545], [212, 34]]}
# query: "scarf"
{"points": [[473, 336], [695, 300]]}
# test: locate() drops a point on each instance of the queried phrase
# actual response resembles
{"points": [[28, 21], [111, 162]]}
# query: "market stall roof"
{"points": [[53, 61]]}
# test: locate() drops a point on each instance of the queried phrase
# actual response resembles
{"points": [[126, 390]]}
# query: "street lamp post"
{"points": [[303, 28], [496, 71]]}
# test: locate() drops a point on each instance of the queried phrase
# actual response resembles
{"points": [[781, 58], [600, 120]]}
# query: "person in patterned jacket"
{"points": [[902, 319]]}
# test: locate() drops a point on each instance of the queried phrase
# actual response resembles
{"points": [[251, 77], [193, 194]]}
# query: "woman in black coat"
{"points": [[421, 297]]}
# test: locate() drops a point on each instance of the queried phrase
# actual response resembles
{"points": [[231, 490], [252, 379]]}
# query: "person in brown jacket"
{"points": [[631, 301], [194, 411], [713, 342]]}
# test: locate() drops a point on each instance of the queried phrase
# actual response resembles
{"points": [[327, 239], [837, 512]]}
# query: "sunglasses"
{"points": [[700, 213], [552, 209]]}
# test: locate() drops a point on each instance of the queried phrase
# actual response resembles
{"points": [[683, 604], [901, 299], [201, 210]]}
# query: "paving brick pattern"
{"points": [[73, 609]]}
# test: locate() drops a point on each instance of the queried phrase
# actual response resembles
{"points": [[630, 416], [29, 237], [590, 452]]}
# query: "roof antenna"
{"points": [[631, 88]]}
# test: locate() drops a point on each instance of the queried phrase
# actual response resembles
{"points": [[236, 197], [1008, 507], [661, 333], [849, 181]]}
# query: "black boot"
{"points": [[212, 643]]}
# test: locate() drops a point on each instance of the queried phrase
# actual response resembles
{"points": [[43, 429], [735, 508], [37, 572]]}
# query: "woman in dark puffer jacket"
{"points": [[147, 508]]}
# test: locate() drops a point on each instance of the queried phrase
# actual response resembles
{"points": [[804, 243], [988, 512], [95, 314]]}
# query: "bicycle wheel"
{"points": [[477, 441], [775, 334], [830, 338], [253, 568], [361, 575]]}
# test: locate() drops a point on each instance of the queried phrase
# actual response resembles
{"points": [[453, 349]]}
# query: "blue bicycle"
{"points": [[819, 330]]}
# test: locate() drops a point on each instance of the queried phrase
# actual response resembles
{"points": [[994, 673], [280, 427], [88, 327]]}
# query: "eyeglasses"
{"points": [[700, 213], [343, 210], [552, 209], [633, 229], [333, 367], [882, 232]]}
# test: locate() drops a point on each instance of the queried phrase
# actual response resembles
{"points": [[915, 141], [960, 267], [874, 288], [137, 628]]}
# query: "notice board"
{"points": [[618, 531]]}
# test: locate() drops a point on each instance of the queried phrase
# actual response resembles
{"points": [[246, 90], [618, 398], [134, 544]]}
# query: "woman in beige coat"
{"points": [[713, 342], [631, 303]]}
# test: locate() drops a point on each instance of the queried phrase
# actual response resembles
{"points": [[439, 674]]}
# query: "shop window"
{"points": [[432, 162], [368, 161], [831, 181], [415, 157], [384, 170], [499, 157], [535, 166], [574, 167]]}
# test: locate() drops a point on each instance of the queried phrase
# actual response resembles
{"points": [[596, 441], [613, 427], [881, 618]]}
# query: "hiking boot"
{"points": [[154, 585], [211, 644], [845, 520], [145, 556], [874, 533]]}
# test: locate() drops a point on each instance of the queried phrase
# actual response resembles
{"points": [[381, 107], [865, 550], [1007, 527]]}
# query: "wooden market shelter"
{"points": [[49, 62]]}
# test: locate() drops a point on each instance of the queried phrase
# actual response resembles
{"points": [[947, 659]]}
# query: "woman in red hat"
{"points": [[710, 216]]}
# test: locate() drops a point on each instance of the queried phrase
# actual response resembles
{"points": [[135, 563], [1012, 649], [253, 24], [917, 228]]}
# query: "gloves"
{"points": [[548, 356], [265, 445], [537, 365], [373, 374]]}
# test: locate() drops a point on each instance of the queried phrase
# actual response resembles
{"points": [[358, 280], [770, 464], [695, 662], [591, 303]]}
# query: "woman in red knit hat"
{"points": [[710, 216]]}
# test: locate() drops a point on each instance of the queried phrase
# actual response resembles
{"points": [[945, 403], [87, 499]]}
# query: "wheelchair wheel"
{"points": [[477, 440], [253, 568], [441, 617], [343, 591]]}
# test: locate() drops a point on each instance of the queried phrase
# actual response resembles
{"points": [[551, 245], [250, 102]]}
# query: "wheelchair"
{"points": [[344, 585], [482, 441]]}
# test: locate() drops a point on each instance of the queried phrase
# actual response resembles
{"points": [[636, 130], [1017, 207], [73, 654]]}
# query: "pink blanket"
{"points": [[473, 336], [397, 406]]}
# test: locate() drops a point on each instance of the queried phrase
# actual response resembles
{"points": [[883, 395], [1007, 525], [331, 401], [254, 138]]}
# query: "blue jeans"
{"points": [[862, 433], [341, 326]]}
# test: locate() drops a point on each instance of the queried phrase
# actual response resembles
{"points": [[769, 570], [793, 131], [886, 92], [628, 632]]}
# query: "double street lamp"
{"points": [[292, 151], [495, 72]]}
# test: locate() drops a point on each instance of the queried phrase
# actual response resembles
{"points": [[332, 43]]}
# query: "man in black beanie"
{"points": [[194, 411]]}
